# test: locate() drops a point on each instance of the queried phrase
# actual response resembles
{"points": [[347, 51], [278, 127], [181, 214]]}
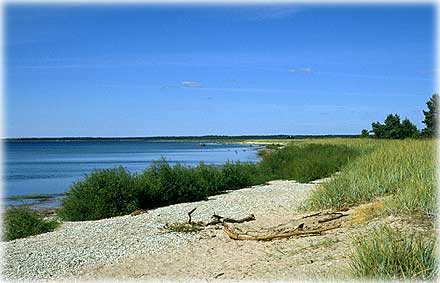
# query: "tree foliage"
{"points": [[431, 117], [365, 133], [393, 128]]}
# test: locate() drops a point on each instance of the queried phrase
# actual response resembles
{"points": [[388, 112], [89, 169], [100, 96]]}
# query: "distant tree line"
{"points": [[393, 128]]}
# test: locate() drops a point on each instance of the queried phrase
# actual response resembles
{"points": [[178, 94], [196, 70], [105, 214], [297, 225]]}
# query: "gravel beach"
{"points": [[76, 247], [140, 247]]}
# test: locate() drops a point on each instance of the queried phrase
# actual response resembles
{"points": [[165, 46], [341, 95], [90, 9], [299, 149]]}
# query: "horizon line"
{"points": [[177, 136]]}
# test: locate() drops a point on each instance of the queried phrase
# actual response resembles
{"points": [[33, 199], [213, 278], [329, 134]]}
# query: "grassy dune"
{"points": [[403, 169], [402, 173]]}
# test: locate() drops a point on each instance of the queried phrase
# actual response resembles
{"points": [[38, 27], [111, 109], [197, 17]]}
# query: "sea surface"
{"points": [[50, 167]]}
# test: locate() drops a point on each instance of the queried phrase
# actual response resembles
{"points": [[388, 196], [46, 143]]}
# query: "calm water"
{"points": [[51, 167]]}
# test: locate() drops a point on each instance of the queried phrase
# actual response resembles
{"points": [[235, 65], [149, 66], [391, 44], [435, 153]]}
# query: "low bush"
{"points": [[21, 222], [390, 254], [240, 175], [163, 184], [102, 194]]}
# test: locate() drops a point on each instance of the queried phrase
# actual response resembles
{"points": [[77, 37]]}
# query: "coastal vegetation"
{"points": [[404, 170], [113, 192], [21, 222], [393, 128], [389, 254], [306, 162], [401, 175]]}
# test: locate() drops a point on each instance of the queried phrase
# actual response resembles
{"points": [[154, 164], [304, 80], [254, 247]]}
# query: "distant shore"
{"points": [[206, 138]]}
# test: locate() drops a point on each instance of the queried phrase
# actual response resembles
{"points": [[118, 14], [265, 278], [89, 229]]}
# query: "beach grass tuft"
{"points": [[387, 253]]}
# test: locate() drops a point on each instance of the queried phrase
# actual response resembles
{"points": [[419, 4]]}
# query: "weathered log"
{"points": [[220, 219], [246, 219], [334, 216], [311, 215], [296, 232]]}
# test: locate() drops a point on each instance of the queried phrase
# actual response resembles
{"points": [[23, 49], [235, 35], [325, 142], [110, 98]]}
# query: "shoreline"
{"points": [[47, 203]]}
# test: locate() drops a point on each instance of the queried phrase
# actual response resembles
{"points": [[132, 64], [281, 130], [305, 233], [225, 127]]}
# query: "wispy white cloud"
{"points": [[300, 70], [272, 13], [191, 84], [251, 90]]}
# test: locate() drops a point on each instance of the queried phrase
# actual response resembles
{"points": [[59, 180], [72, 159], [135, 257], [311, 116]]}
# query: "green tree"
{"points": [[408, 129], [378, 129], [365, 133], [392, 127], [389, 130], [431, 117]]}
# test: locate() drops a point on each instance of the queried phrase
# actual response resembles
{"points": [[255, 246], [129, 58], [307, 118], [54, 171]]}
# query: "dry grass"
{"points": [[367, 212]]}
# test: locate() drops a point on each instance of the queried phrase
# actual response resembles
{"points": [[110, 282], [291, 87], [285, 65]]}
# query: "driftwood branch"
{"points": [[311, 215], [296, 232], [246, 219], [301, 229], [217, 219], [332, 217], [189, 214]]}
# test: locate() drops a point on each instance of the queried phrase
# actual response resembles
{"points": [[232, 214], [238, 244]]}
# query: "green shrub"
{"points": [[163, 184], [102, 194], [239, 175], [208, 178], [21, 222], [389, 254]]}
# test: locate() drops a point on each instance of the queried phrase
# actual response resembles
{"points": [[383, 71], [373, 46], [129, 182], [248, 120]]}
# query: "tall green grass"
{"points": [[403, 169], [113, 192], [386, 253], [21, 222], [405, 172], [307, 162]]}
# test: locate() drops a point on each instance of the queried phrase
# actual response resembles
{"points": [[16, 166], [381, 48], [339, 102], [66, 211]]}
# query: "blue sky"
{"points": [[194, 70]]}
